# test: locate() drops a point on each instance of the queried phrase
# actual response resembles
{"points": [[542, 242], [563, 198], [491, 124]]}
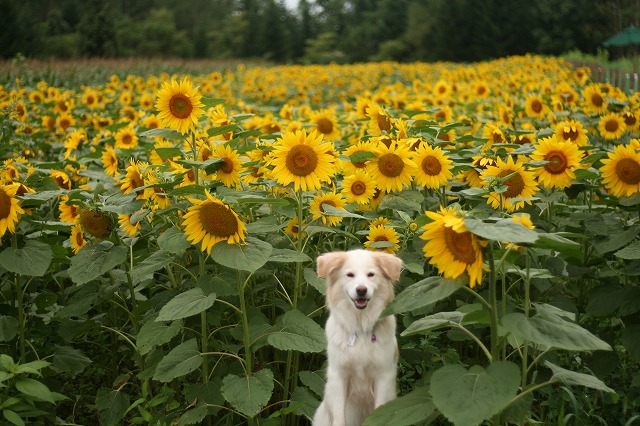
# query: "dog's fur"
{"points": [[362, 350]]}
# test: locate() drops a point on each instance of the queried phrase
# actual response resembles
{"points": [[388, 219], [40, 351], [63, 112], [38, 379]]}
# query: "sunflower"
{"points": [[151, 122], [68, 212], [73, 141], [611, 126], [451, 247], [621, 171], [379, 120], [179, 105], [210, 221], [571, 131], [10, 211], [382, 238], [229, 171], [61, 179], [77, 238], [95, 222], [358, 187], [350, 167], [293, 229], [130, 229], [156, 195], [392, 169], [326, 123], [133, 178], [535, 107], [525, 220], [441, 89], [594, 99], [332, 199], [126, 138], [301, 159], [631, 120], [109, 160], [64, 121], [379, 221], [563, 158], [520, 184], [434, 167]]}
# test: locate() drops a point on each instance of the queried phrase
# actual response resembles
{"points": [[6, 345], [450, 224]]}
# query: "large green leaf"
{"points": [[468, 397], [630, 252], [186, 304], [505, 230], [288, 256], [158, 260], [314, 380], [8, 328], [423, 293], [296, 331], [31, 260], [410, 409], [570, 378], [112, 406], [34, 388], [249, 394], [174, 241], [181, 360], [13, 417], [248, 257], [94, 260], [549, 331], [432, 322], [631, 341], [154, 334], [311, 277], [163, 133], [69, 360]]}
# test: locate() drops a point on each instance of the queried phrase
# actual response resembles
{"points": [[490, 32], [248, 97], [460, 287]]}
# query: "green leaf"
{"points": [[311, 277], [112, 406], [631, 341], [304, 401], [215, 131], [13, 417], [168, 152], [296, 331], [211, 102], [410, 409], [505, 230], [249, 257], [288, 256], [423, 293], [94, 260], [361, 156], [550, 331], [158, 260], [579, 379], [8, 328], [468, 397], [173, 240], [314, 380], [558, 242], [433, 322], [329, 210], [69, 360], [32, 367], [250, 394], [34, 388], [182, 360], [154, 334], [163, 133], [193, 416], [630, 252], [186, 304], [32, 260]]}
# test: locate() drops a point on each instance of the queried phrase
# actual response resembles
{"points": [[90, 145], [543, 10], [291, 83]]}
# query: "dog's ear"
{"points": [[329, 262], [391, 265]]}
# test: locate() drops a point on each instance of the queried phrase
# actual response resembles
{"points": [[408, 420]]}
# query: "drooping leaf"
{"points": [[505, 230], [304, 401], [296, 331], [614, 299], [34, 388], [173, 240], [311, 277], [249, 394], [181, 360], [570, 378], [158, 260], [8, 328], [410, 409], [94, 260], [468, 397], [245, 257], [186, 304], [112, 406], [12, 417], [630, 252], [154, 334], [193, 416], [329, 210], [32, 260], [69, 360], [163, 133], [423, 293], [288, 256], [314, 380], [168, 152], [432, 322], [631, 341]]}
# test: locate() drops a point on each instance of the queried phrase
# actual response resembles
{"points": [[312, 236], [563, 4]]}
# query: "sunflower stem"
{"points": [[527, 306], [245, 328], [493, 301], [194, 151]]}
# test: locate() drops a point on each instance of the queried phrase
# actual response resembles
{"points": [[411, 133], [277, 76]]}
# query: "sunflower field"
{"points": [[158, 234]]}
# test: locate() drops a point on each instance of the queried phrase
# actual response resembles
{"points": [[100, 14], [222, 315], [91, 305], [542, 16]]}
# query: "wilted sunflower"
{"points": [[392, 169], [210, 222], [520, 184], [572, 131], [451, 247], [109, 160], [179, 105], [621, 171], [382, 238], [332, 199], [95, 222], [133, 178], [434, 167], [358, 187], [10, 211], [611, 126], [563, 158], [77, 238], [301, 159]]}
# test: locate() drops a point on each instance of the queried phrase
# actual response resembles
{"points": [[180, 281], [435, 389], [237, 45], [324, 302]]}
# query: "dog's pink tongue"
{"points": [[361, 303]]}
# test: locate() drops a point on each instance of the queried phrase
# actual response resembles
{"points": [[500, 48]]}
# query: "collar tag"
{"points": [[373, 338], [352, 340]]}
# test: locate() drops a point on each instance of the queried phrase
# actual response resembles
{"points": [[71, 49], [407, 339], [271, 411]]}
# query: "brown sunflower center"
{"points": [[611, 126], [62, 182], [65, 123], [557, 162], [431, 166], [5, 205], [227, 166], [391, 165], [325, 126], [301, 160], [441, 115], [627, 170], [127, 139], [79, 238], [218, 220], [597, 100], [384, 122], [515, 184], [630, 119], [358, 188], [570, 133], [180, 106], [460, 245], [536, 106], [136, 180], [96, 223]]}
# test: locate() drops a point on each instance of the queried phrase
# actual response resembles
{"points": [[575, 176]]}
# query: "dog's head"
{"points": [[359, 275]]}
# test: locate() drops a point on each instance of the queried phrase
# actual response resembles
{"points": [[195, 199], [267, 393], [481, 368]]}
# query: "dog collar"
{"points": [[352, 338]]}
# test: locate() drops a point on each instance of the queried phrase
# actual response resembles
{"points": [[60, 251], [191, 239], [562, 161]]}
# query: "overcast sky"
{"points": [[291, 4]]}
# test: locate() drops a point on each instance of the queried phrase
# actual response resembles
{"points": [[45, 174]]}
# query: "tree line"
{"points": [[316, 31]]}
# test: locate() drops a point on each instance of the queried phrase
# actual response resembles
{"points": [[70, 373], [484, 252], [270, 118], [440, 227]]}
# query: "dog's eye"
{"points": [[350, 274], [371, 274]]}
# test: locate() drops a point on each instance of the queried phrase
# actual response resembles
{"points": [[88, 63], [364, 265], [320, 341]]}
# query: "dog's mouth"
{"points": [[360, 302]]}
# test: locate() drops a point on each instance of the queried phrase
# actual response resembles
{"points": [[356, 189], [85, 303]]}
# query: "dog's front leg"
{"points": [[335, 397], [385, 388]]}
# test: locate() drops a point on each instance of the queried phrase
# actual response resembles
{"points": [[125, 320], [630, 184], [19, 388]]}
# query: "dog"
{"points": [[362, 350]]}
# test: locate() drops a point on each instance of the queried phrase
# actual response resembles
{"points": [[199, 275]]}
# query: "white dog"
{"points": [[362, 350]]}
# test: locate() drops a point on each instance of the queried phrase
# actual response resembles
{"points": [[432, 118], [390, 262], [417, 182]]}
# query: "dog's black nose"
{"points": [[361, 290]]}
